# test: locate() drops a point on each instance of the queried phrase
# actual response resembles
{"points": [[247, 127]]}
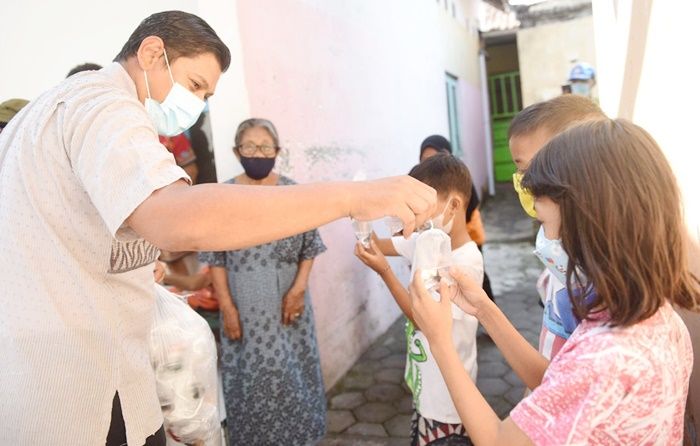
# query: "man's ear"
{"points": [[150, 52]]}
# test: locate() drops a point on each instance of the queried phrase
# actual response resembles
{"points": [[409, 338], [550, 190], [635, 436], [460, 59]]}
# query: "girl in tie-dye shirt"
{"points": [[610, 209]]}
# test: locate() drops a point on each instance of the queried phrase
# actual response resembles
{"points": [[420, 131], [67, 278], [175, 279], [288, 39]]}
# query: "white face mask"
{"points": [[439, 221], [178, 112]]}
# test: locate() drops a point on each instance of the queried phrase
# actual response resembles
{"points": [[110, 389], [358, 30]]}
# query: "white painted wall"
{"points": [[41, 41], [356, 86], [666, 100], [44, 40], [545, 53]]}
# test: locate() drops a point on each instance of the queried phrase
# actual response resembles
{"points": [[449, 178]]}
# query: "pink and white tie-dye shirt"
{"points": [[613, 386]]}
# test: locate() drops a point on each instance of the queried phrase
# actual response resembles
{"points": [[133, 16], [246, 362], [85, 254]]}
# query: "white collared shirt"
{"points": [[77, 285]]}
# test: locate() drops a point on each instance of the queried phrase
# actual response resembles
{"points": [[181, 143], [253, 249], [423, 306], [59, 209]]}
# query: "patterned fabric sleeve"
{"points": [[581, 388], [213, 258], [312, 246]]}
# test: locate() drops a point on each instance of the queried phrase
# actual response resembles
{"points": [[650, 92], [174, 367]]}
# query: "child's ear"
{"points": [[456, 203]]}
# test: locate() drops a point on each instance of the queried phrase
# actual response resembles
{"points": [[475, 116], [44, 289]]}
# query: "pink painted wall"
{"points": [[351, 86]]}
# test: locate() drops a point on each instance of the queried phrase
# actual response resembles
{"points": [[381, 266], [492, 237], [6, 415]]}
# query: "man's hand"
{"points": [[403, 197]]}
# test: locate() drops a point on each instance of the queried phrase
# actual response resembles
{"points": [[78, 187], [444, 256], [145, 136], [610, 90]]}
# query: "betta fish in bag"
{"points": [[433, 258], [183, 355]]}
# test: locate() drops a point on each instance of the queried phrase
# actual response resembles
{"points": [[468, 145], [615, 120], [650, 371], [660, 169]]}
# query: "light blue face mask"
{"points": [[178, 112], [552, 254], [581, 88]]}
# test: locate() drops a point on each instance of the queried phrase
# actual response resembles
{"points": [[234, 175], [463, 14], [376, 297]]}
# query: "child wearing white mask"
{"points": [[435, 417]]}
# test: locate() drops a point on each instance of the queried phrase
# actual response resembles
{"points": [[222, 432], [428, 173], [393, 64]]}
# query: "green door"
{"points": [[506, 102]]}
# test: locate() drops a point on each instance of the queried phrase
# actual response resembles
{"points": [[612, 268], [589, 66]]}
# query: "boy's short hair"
{"points": [[555, 115], [445, 173]]}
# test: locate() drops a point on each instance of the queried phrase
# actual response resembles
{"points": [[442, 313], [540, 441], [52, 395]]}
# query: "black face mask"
{"points": [[257, 168]]}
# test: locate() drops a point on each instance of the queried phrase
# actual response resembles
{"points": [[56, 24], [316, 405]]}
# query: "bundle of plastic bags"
{"points": [[183, 355]]}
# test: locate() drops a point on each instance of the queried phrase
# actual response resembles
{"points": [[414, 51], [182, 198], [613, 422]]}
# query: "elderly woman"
{"points": [[272, 381]]}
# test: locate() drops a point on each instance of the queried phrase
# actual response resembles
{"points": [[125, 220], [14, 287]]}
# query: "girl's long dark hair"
{"points": [[621, 220]]}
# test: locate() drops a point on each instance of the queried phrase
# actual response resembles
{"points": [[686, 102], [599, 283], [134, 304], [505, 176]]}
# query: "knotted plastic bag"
{"points": [[433, 257], [183, 355]]}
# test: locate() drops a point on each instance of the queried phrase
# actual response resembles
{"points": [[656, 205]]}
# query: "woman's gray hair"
{"points": [[256, 122]]}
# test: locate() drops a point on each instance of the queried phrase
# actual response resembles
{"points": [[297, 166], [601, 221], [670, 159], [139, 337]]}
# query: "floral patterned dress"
{"points": [[273, 388]]}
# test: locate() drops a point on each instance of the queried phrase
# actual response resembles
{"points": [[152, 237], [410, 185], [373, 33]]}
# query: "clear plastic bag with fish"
{"points": [[433, 257]]}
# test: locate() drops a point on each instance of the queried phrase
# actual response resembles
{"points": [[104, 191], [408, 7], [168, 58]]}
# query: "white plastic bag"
{"points": [[183, 355], [433, 257]]}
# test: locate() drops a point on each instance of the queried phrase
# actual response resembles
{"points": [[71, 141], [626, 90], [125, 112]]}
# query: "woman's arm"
{"points": [[219, 280], [293, 302], [231, 318], [301, 281]]}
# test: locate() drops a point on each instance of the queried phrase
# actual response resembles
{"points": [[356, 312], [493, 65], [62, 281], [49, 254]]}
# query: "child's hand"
{"points": [[159, 271], [433, 318], [466, 294], [372, 257]]}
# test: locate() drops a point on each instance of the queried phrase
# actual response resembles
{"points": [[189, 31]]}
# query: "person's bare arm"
{"points": [[385, 245], [219, 217], [481, 422], [190, 282], [479, 419], [523, 358], [400, 294], [231, 319], [301, 280], [293, 300], [219, 280], [374, 258]]}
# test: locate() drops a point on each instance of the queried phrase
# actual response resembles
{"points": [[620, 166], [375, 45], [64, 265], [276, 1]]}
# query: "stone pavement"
{"points": [[371, 405]]}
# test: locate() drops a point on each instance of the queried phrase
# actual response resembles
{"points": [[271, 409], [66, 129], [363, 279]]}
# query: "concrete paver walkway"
{"points": [[372, 406]]}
